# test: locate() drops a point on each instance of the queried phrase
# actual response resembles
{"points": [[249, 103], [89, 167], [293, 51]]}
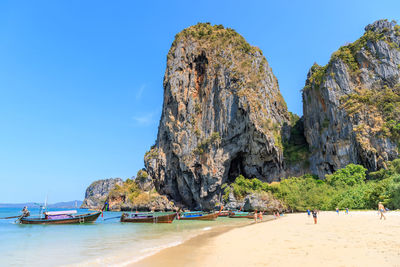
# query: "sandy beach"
{"points": [[357, 239]]}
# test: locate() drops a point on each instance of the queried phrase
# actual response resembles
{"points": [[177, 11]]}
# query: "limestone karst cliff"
{"points": [[98, 191], [352, 105], [136, 193], [223, 115]]}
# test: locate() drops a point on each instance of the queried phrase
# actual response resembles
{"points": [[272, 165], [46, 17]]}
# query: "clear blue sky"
{"points": [[81, 81]]}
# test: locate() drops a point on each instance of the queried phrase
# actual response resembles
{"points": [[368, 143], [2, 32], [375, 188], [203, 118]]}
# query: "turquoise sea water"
{"points": [[103, 243]]}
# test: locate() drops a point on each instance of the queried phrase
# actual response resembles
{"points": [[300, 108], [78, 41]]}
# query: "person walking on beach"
{"points": [[255, 216], [381, 209], [314, 214], [308, 212], [260, 216], [347, 210], [337, 211]]}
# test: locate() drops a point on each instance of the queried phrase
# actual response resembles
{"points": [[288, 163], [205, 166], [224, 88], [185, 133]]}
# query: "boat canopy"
{"points": [[63, 212]]}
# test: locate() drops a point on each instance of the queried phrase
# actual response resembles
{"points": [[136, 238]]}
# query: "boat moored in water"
{"points": [[224, 213], [242, 214], [198, 216], [147, 218], [61, 217]]}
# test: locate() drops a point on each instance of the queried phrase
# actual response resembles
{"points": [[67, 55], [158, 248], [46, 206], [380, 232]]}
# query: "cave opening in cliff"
{"points": [[329, 168], [236, 168], [201, 62]]}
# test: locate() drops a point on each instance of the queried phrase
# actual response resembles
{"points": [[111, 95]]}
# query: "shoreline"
{"points": [[184, 249], [357, 239]]}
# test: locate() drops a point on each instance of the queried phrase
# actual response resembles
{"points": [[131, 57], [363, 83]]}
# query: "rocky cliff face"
{"points": [[129, 195], [151, 202], [223, 115], [138, 194], [144, 181], [352, 105], [260, 201], [98, 191]]}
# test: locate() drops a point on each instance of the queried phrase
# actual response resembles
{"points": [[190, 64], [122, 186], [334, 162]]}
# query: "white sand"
{"points": [[357, 239]]}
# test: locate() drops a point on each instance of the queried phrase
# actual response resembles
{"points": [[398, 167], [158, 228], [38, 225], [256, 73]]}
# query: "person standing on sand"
{"points": [[260, 216], [347, 210], [314, 214], [25, 212], [337, 211], [381, 209], [255, 216], [276, 214], [308, 212]]}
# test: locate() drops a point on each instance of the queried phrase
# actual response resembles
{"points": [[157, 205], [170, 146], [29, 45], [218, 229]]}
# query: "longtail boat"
{"points": [[241, 215], [224, 213], [147, 218], [198, 216], [61, 217]]}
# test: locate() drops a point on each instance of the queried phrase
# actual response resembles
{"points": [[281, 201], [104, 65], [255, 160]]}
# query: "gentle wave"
{"points": [[115, 260], [150, 252]]}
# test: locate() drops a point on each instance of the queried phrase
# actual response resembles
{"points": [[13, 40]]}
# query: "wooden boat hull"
{"points": [[224, 214], [207, 217], [156, 219], [236, 216], [83, 218]]}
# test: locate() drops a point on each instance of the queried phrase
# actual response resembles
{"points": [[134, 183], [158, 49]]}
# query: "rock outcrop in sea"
{"points": [[352, 105], [147, 201], [136, 193], [223, 115], [98, 191]]}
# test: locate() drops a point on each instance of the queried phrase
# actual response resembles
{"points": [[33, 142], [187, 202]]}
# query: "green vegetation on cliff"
{"points": [[129, 190], [131, 193], [347, 54], [384, 104], [296, 148], [242, 187], [346, 188], [151, 154], [204, 144], [216, 35]]}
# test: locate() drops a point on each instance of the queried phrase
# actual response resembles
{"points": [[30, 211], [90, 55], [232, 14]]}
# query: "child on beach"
{"points": [[337, 211], [260, 216], [314, 214], [308, 212], [255, 216], [347, 210]]}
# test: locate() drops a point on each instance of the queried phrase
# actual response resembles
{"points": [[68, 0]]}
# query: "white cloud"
{"points": [[147, 119], [140, 91]]}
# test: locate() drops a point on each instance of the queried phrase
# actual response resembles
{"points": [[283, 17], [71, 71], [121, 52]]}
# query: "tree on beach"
{"points": [[351, 175]]}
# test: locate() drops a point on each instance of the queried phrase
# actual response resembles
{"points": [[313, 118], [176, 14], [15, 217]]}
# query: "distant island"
{"points": [[59, 205]]}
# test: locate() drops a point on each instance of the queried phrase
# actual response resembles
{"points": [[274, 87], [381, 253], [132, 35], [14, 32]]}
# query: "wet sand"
{"points": [[357, 239]]}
